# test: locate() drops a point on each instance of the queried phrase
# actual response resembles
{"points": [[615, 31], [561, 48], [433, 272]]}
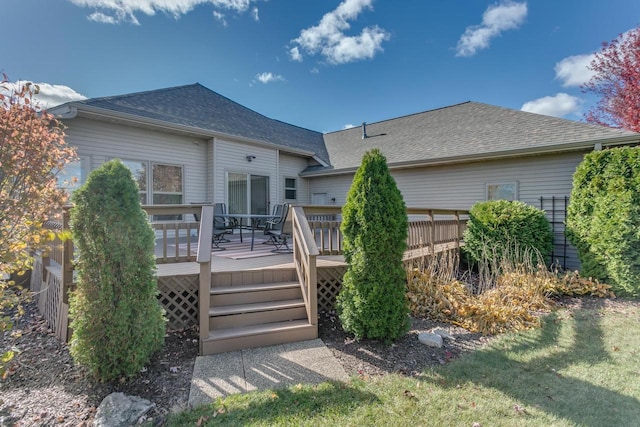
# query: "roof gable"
{"points": [[199, 107], [460, 131]]}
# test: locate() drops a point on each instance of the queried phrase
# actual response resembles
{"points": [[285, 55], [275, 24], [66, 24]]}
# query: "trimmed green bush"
{"points": [[372, 302], [117, 321], [500, 228], [603, 218]]}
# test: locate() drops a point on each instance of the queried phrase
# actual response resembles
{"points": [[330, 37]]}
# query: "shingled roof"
{"points": [[467, 130], [199, 107]]}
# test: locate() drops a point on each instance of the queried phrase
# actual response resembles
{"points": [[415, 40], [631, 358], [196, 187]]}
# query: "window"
{"points": [[139, 171], [74, 174], [290, 189], [167, 185], [502, 191]]}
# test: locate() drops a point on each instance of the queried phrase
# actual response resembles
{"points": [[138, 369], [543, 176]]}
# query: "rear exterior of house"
{"points": [[189, 144], [456, 156], [181, 152]]}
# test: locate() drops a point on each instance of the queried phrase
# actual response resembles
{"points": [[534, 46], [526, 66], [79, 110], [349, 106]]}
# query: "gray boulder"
{"points": [[431, 340], [120, 410]]}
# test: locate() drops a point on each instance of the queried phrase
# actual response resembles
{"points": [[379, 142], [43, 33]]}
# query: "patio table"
{"points": [[253, 218]]}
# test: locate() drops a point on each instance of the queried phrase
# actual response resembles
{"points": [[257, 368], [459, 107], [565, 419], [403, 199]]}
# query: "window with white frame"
{"points": [[502, 191], [139, 169], [290, 191], [74, 174], [165, 181]]}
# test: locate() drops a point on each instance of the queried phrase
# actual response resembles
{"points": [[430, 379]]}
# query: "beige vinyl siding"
{"points": [[231, 156], [290, 167], [102, 141], [460, 186]]}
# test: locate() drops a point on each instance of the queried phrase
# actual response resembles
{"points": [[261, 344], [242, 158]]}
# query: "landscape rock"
{"points": [[444, 334], [120, 410], [430, 339]]}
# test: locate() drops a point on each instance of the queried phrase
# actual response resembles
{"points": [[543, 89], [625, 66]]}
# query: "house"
{"points": [[188, 144]]}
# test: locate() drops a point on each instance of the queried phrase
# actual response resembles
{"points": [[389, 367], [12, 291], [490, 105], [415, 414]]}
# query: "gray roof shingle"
{"points": [[199, 107], [462, 130]]}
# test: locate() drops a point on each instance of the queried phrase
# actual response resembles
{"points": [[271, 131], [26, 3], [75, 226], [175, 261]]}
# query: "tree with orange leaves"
{"points": [[617, 83], [32, 154]]}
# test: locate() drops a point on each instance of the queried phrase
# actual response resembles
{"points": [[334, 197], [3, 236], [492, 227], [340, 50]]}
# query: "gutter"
{"points": [[524, 152]]}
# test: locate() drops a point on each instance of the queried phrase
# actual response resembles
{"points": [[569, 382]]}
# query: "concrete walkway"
{"points": [[305, 362]]}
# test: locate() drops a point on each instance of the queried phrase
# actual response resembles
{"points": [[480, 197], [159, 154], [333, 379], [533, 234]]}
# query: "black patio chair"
{"points": [[277, 234], [277, 211]]}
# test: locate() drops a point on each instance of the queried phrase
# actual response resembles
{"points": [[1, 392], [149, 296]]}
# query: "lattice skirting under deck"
{"points": [[179, 297], [329, 284]]}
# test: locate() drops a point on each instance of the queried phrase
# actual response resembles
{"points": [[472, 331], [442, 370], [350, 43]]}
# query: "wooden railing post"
{"points": [[204, 259], [459, 230], [67, 256], [432, 231]]}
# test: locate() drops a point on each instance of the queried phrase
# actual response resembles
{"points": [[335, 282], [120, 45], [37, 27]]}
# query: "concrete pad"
{"points": [[217, 376], [305, 362]]}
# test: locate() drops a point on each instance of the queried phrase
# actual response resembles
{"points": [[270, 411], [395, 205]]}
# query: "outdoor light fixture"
{"points": [[250, 157]]}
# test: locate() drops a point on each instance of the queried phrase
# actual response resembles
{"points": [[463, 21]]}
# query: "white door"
{"points": [[319, 199]]}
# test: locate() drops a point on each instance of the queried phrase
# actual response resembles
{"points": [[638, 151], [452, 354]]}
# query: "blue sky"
{"points": [[319, 64]]}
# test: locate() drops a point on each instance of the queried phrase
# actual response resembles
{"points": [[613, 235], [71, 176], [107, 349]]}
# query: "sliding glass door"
{"points": [[246, 191]]}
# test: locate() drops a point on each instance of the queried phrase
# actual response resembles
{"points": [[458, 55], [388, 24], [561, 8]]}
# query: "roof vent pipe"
{"points": [[364, 130]]}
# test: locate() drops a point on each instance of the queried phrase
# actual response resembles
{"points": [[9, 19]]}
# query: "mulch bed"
{"points": [[46, 388]]}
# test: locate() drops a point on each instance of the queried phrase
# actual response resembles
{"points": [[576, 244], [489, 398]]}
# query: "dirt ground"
{"points": [[46, 388]]}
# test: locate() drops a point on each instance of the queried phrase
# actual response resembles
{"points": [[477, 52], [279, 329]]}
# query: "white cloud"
{"points": [[255, 14], [49, 95], [269, 78], [559, 105], [496, 19], [220, 17], [574, 70], [348, 126], [295, 54], [119, 11], [328, 38]]}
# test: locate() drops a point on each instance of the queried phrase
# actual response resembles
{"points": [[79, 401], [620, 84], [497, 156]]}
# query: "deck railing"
{"points": [[305, 253], [428, 228], [315, 231], [54, 268]]}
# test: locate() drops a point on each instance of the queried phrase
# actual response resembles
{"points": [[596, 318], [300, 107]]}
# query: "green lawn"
{"points": [[582, 368]]}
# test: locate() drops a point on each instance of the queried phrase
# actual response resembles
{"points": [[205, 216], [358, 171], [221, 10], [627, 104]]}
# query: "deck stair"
{"points": [[256, 315]]}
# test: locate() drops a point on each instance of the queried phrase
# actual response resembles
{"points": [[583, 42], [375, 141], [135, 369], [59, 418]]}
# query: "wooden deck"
{"points": [[221, 264]]}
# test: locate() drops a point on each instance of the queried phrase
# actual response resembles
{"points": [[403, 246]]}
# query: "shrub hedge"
{"points": [[496, 226], [117, 321], [372, 301], [603, 217]]}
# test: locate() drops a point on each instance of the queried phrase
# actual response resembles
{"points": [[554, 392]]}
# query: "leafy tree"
{"points": [[32, 154], [372, 302], [603, 217], [617, 83], [117, 321]]}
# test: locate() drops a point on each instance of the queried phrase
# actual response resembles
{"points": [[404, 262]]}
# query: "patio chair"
{"points": [[221, 221], [277, 234], [277, 211]]}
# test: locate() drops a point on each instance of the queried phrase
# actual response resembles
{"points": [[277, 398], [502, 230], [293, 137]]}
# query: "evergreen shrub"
{"points": [[499, 227], [372, 302], [117, 321], [603, 218]]}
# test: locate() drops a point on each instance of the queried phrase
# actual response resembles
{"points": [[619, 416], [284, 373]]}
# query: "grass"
{"points": [[581, 368]]}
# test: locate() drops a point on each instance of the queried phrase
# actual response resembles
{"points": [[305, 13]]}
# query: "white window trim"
{"points": [[516, 186]]}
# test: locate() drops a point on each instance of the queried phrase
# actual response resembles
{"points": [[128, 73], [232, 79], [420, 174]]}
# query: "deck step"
{"points": [[230, 339], [226, 310], [248, 294]]}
